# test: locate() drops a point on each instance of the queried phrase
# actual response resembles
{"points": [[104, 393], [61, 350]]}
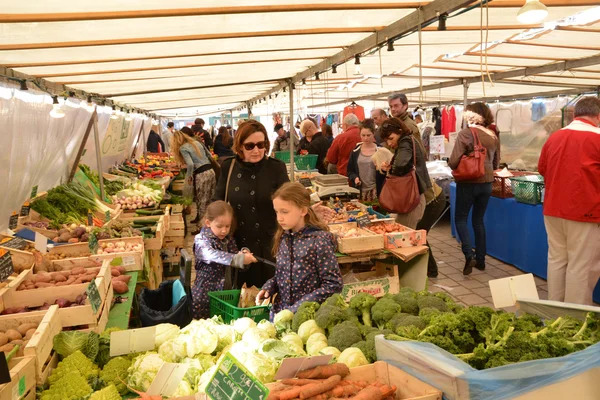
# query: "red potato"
{"points": [[77, 271], [119, 287], [121, 269], [115, 272], [123, 278]]}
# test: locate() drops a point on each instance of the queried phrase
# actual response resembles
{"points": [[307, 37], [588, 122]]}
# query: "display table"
{"points": [[120, 313], [515, 234]]}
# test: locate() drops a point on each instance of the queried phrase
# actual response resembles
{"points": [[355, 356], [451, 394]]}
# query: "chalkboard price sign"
{"points": [[93, 243], [6, 265], [13, 221], [25, 209], [94, 296], [34, 191], [363, 220], [90, 219], [233, 382], [14, 243], [306, 182]]}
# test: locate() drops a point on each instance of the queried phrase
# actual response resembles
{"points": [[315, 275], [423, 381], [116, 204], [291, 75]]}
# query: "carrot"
{"points": [[143, 395], [300, 382], [293, 392], [347, 390], [368, 393], [318, 388], [388, 390], [324, 371]]}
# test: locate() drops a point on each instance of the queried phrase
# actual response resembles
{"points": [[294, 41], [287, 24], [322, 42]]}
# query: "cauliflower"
{"points": [[143, 370], [165, 332]]}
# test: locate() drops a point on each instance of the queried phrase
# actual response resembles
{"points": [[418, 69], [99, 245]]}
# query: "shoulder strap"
{"points": [[228, 178], [414, 152], [476, 141]]}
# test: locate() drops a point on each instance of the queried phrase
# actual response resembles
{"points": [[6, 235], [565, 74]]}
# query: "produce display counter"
{"points": [[515, 234], [121, 312]]}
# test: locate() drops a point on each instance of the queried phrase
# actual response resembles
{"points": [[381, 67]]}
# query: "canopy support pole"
{"points": [[86, 135], [465, 100], [137, 142], [98, 155], [292, 130]]}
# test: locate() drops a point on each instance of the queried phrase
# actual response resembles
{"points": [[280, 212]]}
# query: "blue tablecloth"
{"points": [[515, 234]]}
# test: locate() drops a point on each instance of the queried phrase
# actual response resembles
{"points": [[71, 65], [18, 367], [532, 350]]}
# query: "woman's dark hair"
{"points": [[327, 131], [393, 125], [188, 131], [484, 116], [225, 136], [244, 131], [369, 124]]}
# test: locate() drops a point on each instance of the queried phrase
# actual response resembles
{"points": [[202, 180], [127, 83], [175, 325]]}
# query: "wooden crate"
{"points": [[132, 261], [39, 346], [70, 316], [156, 242], [175, 208], [367, 242], [178, 185], [176, 226], [70, 263], [23, 380]]}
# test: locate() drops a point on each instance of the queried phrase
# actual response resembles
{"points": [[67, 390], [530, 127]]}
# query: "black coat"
{"points": [[220, 149], [206, 138], [403, 161], [153, 141], [250, 189], [319, 146], [353, 171]]}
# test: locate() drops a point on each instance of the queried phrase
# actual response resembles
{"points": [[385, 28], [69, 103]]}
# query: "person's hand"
{"points": [[249, 258], [357, 181], [385, 166], [303, 152], [323, 213], [261, 296]]}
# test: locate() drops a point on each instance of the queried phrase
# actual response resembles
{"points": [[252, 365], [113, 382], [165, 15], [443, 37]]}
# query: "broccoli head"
{"points": [[408, 303], [384, 310], [411, 320], [431, 301], [344, 335], [365, 330], [329, 316], [407, 291], [426, 314], [368, 349], [361, 304], [336, 300], [391, 324], [305, 312]]}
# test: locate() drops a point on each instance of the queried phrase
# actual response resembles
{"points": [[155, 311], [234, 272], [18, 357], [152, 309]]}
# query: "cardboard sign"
{"points": [[41, 243], [93, 243], [233, 381], [167, 379], [14, 243], [6, 265], [363, 220], [132, 341], [306, 182], [34, 191], [25, 208], [506, 291], [437, 144], [13, 221], [291, 366], [4, 370], [94, 296]]}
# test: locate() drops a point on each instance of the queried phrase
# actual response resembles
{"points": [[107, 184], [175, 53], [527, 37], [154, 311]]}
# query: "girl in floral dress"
{"points": [[216, 252], [307, 269]]}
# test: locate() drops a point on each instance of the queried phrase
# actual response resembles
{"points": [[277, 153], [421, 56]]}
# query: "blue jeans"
{"points": [[476, 196]]}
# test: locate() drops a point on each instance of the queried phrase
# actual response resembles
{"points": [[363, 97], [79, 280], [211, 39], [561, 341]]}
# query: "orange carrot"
{"points": [[345, 391], [324, 371], [300, 382], [388, 390], [368, 393], [293, 392], [318, 388]]}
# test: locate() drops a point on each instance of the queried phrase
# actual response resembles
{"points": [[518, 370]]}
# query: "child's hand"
{"points": [[249, 258], [385, 166], [261, 296]]}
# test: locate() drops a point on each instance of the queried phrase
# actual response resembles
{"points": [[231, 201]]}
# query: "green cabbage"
{"points": [[330, 350], [143, 370], [243, 324], [268, 327], [165, 332], [308, 328], [315, 343], [204, 379], [254, 337], [68, 342], [293, 338], [353, 357]]}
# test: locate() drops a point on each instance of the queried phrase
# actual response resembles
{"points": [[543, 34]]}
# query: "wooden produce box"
{"points": [[405, 237], [21, 259], [366, 242], [176, 226], [156, 242], [132, 261], [178, 185], [69, 316], [23, 380]]}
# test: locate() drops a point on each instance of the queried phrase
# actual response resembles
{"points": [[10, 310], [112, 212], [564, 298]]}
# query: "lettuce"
{"points": [[254, 337]]}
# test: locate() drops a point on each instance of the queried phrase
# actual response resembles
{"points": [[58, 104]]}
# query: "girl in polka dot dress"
{"points": [[307, 269], [216, 252]]}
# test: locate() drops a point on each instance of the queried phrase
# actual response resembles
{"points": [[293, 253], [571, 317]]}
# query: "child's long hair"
{"points": [[298, 195], [218, 209]]}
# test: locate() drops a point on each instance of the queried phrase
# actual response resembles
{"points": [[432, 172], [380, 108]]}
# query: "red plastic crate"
{"points": [[502, 188]]}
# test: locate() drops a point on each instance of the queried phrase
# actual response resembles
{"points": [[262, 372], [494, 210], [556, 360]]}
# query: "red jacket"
{"points": [[341, 148], [570, 164]]}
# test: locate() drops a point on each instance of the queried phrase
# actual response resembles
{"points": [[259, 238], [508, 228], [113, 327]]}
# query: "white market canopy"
{"points": [[186, 57]]}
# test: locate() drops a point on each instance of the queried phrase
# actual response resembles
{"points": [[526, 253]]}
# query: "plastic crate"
{"points": [[283, 156], [224, 303], [528, 189], [308, 161], [502, 188]]}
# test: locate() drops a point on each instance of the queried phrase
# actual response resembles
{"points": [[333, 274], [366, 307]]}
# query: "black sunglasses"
{"points": [[251, 146]]}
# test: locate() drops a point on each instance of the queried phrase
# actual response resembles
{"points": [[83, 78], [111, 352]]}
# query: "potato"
{"points": [[119, 287], [59, 277], [77, 271], [73, 240], [21, 351], [44, 285], [13, 334], [23, 328], [7, 348], [17, 342], [29, 334], [115, 272], [43, 277], [123, 278], [121, 269], [66, 274], [3, 339]]}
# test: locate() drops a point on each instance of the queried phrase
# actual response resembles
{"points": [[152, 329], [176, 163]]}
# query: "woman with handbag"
{"points": [[474, 158], [200, 179], [408, 179]]}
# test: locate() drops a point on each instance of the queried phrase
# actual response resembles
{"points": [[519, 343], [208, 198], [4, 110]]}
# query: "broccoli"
{"points": [[431, 301], [329, 316], [384, 310], [361, 304], [395, 320], [115, 373], [407, 291], [305, 312], [411, 320], [368, 349], [344, 335], [336, 300], [427, 313], [408, 303]]}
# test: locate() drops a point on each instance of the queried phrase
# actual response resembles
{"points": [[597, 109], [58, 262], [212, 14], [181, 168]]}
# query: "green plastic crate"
{"points": [[306, 162], [283, 156], [528, 189], [224, 303]]}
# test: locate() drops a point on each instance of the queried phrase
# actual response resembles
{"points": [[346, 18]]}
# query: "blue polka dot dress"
{"points": [[307, 269]]}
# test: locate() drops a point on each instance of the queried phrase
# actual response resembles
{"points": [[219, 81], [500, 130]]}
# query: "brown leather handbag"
{"points": [[400, 194], [472, 165]]}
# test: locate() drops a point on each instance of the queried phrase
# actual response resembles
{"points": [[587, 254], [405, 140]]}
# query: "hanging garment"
{"points": [[448, 121], [436, 118], [355, 109], [538, 110]]}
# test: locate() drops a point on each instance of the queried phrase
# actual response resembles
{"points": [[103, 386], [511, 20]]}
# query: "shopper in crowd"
{"points": [[153, 142], [362, 173], [216, 253], [201, 133], [379, 116], [318, 144], [167, 136], [399, 109], [474, 194], [435, 200], [223, 143], [570, 164], [344, 143], [247, 182], [304, 143], [399, 138], [307, 268], [200, 178], [282, 143], [327, 132]]}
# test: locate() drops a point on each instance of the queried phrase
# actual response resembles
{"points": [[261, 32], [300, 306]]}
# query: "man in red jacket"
{"points": [[344, 143], [570, 164]]}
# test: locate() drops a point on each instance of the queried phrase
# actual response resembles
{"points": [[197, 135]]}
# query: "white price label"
{"points": [[128, 261]]}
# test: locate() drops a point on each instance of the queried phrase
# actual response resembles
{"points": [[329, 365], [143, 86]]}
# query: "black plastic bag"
{"points": [[156, 307]]}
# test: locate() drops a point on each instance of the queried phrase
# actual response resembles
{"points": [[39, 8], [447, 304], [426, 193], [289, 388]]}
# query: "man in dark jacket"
{"points": [[201, 133], [317, 143], [153, 142], [282, 143]]}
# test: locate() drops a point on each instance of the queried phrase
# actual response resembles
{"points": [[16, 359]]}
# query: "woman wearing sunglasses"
{"points": [[247, 182]]}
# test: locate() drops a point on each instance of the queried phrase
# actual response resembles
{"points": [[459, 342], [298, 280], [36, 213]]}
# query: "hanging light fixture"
{"points": [[114, 113], [303, 81], [23, 84], [88, 105], [357, 70], [334, 69], [129, 117], [57, 111], [390, 45], [532, 12], [317, 77], [442, 22]]}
